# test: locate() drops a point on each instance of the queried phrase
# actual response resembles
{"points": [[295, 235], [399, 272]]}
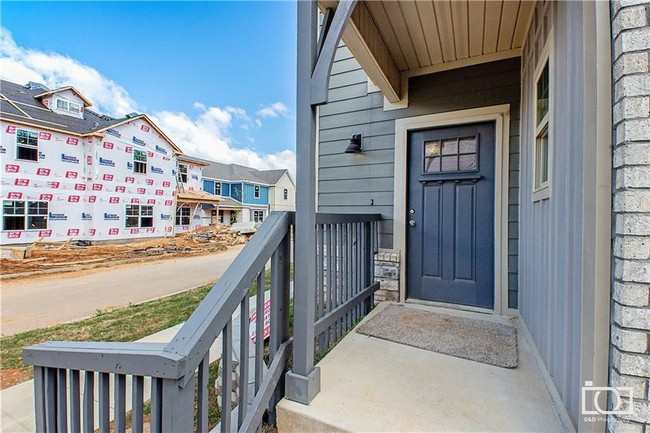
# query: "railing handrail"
{"points": [[343, 218], [196, 336], [107, 357]]}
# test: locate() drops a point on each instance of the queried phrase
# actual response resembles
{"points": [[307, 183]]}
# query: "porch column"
{"points": [[303, 381], [315, 58]]}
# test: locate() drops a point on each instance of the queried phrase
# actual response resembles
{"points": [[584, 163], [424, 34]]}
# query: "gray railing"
{"points": [[83, 386], [345, 249]]}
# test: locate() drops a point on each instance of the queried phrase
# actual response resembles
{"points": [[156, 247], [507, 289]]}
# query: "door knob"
{"points": [[412, 223]]}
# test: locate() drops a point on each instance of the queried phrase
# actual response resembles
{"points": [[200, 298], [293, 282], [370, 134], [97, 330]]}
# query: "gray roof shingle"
{"points": [[237, 173], [31, 110]]}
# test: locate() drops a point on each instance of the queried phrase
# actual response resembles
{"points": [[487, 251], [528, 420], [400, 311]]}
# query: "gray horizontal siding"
{"points": [[348, 183]]}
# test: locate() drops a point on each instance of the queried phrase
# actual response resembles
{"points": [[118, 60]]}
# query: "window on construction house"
{"points": [[21, 215], [217, 188], [26, 145], [182, 169], [183, 216], [139, 161], [542, 144], [220, 217], [64, 105], [138, 216], [258, 216], [286, 194], [257, 192]]}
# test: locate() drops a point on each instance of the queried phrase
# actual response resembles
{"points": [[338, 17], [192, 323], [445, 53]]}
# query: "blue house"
{"points": [[248, 194]]}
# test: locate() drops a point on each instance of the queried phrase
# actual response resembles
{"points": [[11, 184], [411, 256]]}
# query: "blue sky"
{"points": [[228, 67]]}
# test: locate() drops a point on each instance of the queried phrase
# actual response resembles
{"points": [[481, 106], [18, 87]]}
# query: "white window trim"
{"points": [[189, 216], [69, 103], [257, 191], [140, 206], [215, 188], [181, 173], [26, 216], [27, 146], [543, 192], [146, 162]]}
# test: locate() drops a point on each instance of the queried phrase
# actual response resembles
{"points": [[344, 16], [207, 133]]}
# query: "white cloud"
{"points": [[21, 65], [207, 134], [274, 110]]}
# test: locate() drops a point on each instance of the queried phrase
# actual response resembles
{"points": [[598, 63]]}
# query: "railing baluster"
{"points": [[75, 406], [355, 267], [104, 402], [259, 330], [226, 375], [61, 401], [320, 283], [51, 397], [362, 265], [202, 395], [119, 407], [156, 405], [348, 272], [340, 264], [335, 278], [328, 292], [137, 404], [89, 402], [244, 355], [39, 398]]}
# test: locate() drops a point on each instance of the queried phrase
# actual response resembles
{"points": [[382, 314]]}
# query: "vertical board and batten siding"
{"points": [[249, 194], [551, 230], [363, 183]]}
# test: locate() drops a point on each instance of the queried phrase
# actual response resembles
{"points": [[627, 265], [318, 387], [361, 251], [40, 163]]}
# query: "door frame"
{"points": [[500, 114]]}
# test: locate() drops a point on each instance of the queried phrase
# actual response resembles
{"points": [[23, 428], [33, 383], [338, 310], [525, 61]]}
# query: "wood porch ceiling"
{"points": [[426, 36]]}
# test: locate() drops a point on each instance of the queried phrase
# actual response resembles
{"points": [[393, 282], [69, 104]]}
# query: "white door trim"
{"points": [[501, 115]]}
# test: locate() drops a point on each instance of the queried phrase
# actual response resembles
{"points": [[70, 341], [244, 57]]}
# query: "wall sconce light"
{"points": [[355, 144]]}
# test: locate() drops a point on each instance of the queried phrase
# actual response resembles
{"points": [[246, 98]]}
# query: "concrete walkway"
{"points": [[48, 300], [17, 402]]}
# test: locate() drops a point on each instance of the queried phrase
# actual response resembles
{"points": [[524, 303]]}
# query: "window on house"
{"points": [[217, 188], [20, 215], [451, 155], [182, 169], [139, 161], [138, 216], [257, 192], [64, 105], [183, 216], [258, 216], [26, 145], [233, 217], [541, 154], [220, 217], [286, 194]]}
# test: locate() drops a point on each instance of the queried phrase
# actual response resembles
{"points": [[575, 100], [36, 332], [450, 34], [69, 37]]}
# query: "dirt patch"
{"points": [[13, 376], [66, 256]]}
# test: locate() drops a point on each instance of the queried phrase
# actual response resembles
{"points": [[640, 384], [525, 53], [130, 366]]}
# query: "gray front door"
{"points": [[450, 219]]}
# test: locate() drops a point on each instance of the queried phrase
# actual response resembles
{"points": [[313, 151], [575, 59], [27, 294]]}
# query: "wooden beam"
{"points": [[364, 40], [332, 30]]}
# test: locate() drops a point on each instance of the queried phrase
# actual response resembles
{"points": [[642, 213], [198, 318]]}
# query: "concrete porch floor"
{"points": [[373, 385]]}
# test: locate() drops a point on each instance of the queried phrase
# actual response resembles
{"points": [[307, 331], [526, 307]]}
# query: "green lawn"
{"points": [[120, 324]]}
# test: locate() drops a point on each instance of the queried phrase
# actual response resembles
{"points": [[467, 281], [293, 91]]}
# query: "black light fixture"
{"points": [[355, 144]]}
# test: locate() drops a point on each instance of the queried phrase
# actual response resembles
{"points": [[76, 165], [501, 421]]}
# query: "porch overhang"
{"points": [[197, 197], [395, 40]]}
